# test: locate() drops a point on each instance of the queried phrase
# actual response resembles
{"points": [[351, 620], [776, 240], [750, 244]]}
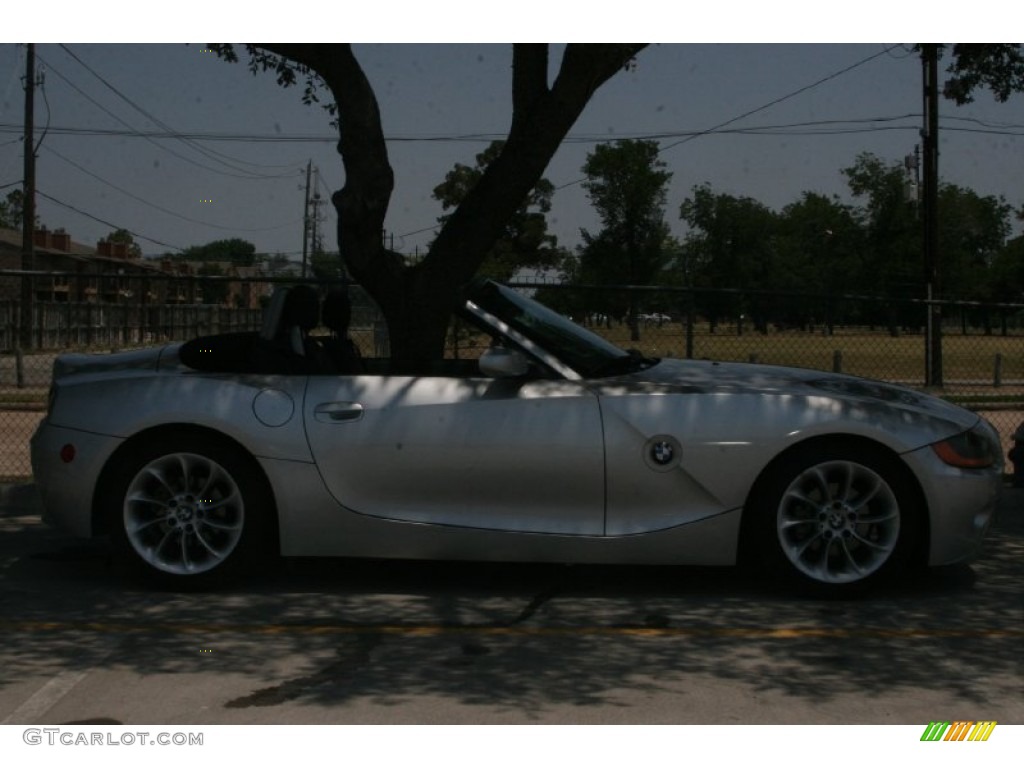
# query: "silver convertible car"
{"points": [[205, 458]]}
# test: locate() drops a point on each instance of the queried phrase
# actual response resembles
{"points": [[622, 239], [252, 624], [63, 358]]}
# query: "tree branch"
{"points": [[529, 78], [542, 119], [362, 203]]}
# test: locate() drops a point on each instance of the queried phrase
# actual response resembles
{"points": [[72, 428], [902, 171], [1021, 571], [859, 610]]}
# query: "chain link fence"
{"points": [[982, 347]]}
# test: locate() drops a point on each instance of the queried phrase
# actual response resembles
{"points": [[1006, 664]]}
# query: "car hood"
{"points": [[701, 376]]}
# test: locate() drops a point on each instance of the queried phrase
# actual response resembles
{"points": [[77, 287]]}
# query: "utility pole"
{"points": [[305, 221], [315, 219], [930, 205], [28, 211]]}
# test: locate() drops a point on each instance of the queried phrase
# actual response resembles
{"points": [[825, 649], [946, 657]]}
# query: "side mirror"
{"points": [[502, 363]]}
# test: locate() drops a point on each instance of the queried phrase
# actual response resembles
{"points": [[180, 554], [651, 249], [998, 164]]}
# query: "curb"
{"points": [[19, 499]]}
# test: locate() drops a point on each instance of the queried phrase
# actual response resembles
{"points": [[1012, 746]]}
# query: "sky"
{"points": [[768, 120]]}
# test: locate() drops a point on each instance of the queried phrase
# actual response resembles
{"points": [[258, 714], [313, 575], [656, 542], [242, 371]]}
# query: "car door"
{"points": [[501, 454]]}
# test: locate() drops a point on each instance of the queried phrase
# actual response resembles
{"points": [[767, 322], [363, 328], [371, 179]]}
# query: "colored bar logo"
{"points": [[959, 730]]}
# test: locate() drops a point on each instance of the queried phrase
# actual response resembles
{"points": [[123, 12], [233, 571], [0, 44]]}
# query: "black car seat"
{"points": [[284, 345], [301, 314], [272, 315], [339, 349]]}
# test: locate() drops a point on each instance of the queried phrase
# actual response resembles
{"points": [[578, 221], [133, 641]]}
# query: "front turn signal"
{"points": [[968, 450]]}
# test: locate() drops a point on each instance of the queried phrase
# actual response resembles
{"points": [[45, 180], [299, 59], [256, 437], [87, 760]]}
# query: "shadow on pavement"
{"points": [[520, 637]]}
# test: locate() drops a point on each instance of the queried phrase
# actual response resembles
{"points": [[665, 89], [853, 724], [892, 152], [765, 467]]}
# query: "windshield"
{"points": [[586, 353]]}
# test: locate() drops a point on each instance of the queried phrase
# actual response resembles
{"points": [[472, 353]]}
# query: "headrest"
{"points": [[337, 311], [302, 308], [273, 313]]}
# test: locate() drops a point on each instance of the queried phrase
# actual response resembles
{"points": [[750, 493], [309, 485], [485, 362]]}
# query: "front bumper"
{"points": [[68, 487], [961, 504]]}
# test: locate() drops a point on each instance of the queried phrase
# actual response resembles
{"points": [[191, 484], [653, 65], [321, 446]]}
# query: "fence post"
{"points": [[19, 368], [837, 361], [997, 376], [690, 319], [125, 340]]}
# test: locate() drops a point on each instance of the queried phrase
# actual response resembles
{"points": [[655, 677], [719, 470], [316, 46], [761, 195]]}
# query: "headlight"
{"points": [[978, 448]]}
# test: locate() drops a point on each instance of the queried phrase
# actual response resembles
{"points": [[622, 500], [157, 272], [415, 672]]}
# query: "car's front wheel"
{"points": [[836, 518], [188, 511]]}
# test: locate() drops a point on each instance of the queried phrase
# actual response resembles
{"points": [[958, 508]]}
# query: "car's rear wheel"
{"points": [[835, 518], [188, 510]]}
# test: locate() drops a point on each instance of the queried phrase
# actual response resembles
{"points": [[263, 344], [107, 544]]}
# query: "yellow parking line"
{"points": [[429, 630]]}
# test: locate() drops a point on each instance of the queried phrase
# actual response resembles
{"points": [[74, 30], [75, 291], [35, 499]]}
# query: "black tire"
{"points": [[188, 510], [834, 519]]}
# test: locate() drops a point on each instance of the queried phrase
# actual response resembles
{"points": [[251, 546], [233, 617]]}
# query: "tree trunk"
{"points": [[417, 301]]}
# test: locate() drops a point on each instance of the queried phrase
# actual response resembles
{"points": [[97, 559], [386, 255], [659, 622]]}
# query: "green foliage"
{"points": [[325, 266], [997, 67], [731, 238], [732, 242], [972, 232], [235, 250], [214, 292], [891, 226], [276, 264], [525, 242], [288, 73], [1007, 273], [627, 186], [821, 246], [124, 236], [12, 210]]}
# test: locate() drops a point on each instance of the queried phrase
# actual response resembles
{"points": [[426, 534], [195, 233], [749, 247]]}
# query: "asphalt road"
{"points": [[354, 642]]}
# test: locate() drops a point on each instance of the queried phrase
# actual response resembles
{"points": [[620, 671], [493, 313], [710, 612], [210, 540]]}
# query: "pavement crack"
{"points": [[534, 605], [350, 659]]}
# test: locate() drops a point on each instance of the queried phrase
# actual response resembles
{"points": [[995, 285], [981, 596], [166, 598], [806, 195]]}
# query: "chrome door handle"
{"points": [[333, 413]]}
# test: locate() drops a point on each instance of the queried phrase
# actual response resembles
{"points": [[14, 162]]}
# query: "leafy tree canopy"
{"points": [[525, 241], [627, 184], [234, 250], [996, 67], [12, 210], [124, 236]]}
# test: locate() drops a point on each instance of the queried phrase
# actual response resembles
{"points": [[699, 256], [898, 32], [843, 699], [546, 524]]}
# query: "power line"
{"points": [[107, 223], [788, 96], [136, 132], [161, 208], [1009, 129], [720, 126], [152, 118]]}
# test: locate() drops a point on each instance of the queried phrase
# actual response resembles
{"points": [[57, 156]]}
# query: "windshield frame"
{"points": [[583, 352]]}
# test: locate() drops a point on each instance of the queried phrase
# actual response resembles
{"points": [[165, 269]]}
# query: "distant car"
{"points": [[205, 458], [654, 318]]}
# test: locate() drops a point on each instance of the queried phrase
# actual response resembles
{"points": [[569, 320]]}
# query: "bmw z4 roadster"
{"points": [[204, 459]]}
